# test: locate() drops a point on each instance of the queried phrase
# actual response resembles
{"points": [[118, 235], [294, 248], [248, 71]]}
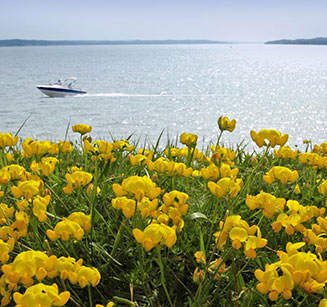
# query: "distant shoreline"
{"points": [[300, 41], [28, 42]]}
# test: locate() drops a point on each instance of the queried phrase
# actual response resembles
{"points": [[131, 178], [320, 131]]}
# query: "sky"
{"points": [[223, 20]]}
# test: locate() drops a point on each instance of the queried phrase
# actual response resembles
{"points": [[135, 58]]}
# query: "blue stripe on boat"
{"points": [[61, 90]]}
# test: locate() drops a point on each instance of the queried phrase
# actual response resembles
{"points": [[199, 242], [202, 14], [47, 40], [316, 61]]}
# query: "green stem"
{"points": [[162, 277], [144, 275], [238, 273], [190, 155], [173, 182], [56, 195], [234, 270], [118, 237], [63, 247], [215, 215], [89, 290], [33, 223], [94, 194], [199, 290], [250, 177], [219, 137]]}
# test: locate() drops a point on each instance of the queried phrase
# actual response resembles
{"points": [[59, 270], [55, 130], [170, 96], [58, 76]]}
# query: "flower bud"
{"points": [[198, 276]]}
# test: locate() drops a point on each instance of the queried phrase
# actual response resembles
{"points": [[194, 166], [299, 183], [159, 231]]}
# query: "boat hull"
{"points": [[53, 91]]}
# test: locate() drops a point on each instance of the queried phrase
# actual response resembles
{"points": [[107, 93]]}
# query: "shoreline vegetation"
{"points": [[300, 41], [28, 42], [96, 223]]}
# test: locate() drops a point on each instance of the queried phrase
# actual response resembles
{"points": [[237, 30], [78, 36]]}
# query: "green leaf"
{"points": [[202, 248]]}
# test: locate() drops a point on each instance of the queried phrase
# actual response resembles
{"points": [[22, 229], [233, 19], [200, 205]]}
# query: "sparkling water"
{"points": [[146, 89]]}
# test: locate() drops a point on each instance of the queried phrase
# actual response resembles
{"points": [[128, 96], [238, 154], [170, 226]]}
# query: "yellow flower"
{"points": [[175, 199], [269, 203], [272, 136], [38, 148], [295, 268], [185, 152], [322, 189], [25, 266], [90, 189], [297, 189], [313, 159], [65, 267], [20, 226], [12, 172], [214, 172], [122, 144], [82, 129], [66, 229], [5, 213], [47, 165], [160, 165], [297, 215], [223, 154], [81, 219], [137, 186], [73, 169], [41, 295], [147, 206], [10, 157], [285, 152], [155, 234], [137, 159], [200, 257], [225, 187], [188, 139], [281, 173], [65, 146], [87, 276], [5, 249], [28, 189], [320, 149], [76, 180], [6, 139], [110, 304], [40, 207], [225, 124], [240, 232], [101, 149], [125, 204], [178, 168]]}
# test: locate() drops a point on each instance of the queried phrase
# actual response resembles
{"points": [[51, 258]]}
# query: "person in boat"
{"points": [[58, 82]]}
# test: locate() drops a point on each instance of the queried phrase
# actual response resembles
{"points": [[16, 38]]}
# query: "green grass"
{"points": [[163, 276]]}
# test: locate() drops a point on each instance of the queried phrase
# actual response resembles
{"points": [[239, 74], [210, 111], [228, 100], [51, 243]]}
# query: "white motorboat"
{"points": [[61, 89]]}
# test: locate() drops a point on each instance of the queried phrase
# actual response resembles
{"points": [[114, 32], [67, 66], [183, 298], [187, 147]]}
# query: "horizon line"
{"points": [[120, 41]]}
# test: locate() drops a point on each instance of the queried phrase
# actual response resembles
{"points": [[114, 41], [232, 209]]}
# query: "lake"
{"points": [[145, 89]]}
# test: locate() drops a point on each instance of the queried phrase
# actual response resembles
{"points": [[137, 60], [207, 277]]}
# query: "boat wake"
{"points": [[144, 95]]}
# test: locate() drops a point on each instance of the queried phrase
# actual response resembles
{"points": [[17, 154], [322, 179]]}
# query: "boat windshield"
{"points": [[69, 82]]}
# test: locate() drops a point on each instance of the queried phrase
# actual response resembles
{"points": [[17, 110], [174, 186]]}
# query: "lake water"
{"points": [[176, 88]]}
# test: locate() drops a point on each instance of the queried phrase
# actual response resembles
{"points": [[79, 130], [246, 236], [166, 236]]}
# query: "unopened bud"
{"points": [[198, 276]]}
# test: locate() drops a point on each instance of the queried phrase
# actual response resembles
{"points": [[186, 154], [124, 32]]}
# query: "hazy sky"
{"points": [[231, 20]]}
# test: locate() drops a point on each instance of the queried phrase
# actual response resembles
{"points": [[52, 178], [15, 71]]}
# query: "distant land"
{"points": [[301, 41], [31, 42]]}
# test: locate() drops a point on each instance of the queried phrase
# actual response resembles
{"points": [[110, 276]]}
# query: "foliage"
{"points": [[96, 223]]}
